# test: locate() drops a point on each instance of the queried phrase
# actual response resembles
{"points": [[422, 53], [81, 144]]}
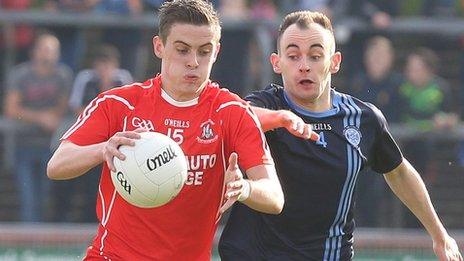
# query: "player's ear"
{"points": [[158, 47], [335, 62], [275, 61]]}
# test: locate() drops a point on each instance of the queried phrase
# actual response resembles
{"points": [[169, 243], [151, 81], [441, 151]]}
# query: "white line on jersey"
{"points": [[90, 109]]}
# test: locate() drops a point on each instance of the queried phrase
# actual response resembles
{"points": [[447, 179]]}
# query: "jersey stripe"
{"points": [[106, 218], [224, 165], [354, 163], [91, 108], [255, 119]]}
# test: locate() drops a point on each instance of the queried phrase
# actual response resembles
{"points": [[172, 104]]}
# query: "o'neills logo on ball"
{"points": [[164, 157]]}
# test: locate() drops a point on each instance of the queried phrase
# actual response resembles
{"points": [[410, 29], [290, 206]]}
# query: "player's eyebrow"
{"points": [[316, 45], [312, 46], [188, 45], [292, 45]]}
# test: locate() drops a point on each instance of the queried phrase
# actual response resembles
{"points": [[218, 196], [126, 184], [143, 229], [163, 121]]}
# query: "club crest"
{"points": [[207, 133], [352, 135]]}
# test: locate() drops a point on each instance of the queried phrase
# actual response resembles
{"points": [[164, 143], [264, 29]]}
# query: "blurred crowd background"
{"points": [[406, 57]]}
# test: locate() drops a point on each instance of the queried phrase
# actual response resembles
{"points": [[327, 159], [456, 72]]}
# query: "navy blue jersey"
{"points": [[318, 180]]}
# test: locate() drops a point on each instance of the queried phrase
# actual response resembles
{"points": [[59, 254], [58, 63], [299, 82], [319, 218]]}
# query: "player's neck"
{"points": [[180, 95], [319, 104]]}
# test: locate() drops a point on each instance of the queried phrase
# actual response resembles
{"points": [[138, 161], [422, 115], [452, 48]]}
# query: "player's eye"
{"points": [[204, 52], [315, 57], [293, 57], [182, 51]]}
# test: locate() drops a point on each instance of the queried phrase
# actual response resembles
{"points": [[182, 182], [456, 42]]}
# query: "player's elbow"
{"points": [[56, 169], [53, 170], [279, 203], [276, 203]]}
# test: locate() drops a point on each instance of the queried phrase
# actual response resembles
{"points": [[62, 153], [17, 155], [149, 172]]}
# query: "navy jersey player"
{"points": [[319, 178]]}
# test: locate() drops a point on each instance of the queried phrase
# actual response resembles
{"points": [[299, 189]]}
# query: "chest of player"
{"points": [[199, 132], [341, 149]]}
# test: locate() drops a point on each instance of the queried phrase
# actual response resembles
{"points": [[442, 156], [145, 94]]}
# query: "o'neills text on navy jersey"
{"points": [[321, 126]]}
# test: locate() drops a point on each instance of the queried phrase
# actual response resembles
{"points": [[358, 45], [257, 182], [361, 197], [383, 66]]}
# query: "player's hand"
{"points": [[110, 150], [296, 126], [234, 183], [447, 250]]}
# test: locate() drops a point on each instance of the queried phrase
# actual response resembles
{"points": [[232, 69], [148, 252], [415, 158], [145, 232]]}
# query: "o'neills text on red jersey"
{"points": [[177, 123], [197, 164]]}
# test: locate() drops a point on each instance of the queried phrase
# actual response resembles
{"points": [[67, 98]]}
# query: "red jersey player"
{"points": [[211, 125]]}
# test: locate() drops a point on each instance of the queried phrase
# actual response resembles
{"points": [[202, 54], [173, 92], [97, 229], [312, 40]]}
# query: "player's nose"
{"points": [[304, 66], [192, 61]]}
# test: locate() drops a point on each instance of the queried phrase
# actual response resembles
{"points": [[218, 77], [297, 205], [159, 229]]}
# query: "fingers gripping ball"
{"points": [[153, 172]]}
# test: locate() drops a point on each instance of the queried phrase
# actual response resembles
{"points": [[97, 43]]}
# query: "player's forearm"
{"points": [[70, 160], [265, 191], [410, 189], [265, 196], [269, 119]]}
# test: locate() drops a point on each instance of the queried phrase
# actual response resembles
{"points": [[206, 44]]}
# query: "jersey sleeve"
{"points": [[244, 136], [99, 120], [386, 155]]}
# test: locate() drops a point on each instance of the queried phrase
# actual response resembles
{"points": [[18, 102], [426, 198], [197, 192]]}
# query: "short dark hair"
{"points": [[195, 12], [429, 57], [303, 19], [106, 52]]}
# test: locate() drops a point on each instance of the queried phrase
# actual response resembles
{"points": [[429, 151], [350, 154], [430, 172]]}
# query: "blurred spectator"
{"points": [[104, 75], [263, 9], [439, 8], [23, 34], [126, 40], [37, 96], [378, 12], [14, 40], [425, 105], [378, 83], [323, 6], [426, 98], [71, 38], [231, 67], [152, 5], [233, 10]]}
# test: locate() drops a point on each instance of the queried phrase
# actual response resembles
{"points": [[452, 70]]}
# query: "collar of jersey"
{"points": [[334, 110], [171, 101]]}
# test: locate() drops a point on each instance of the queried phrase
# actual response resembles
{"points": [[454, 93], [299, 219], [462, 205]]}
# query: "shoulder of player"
{"points": [[270, 91], [367, 109], [223, 98], [128, 94]]}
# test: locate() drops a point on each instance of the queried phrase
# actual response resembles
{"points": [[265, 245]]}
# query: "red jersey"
{"points": [[208, 129]]}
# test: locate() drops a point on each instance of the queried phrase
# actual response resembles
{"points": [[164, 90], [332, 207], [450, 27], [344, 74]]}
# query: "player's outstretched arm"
{"points": [[408, 186], [271, 119], [71, 160], [261, 192]]}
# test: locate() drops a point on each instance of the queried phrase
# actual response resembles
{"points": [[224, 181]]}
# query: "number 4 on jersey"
{"points": [[321, 140]]}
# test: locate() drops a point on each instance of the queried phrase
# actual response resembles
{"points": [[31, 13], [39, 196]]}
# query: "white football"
{"points": [[153, 173]]}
